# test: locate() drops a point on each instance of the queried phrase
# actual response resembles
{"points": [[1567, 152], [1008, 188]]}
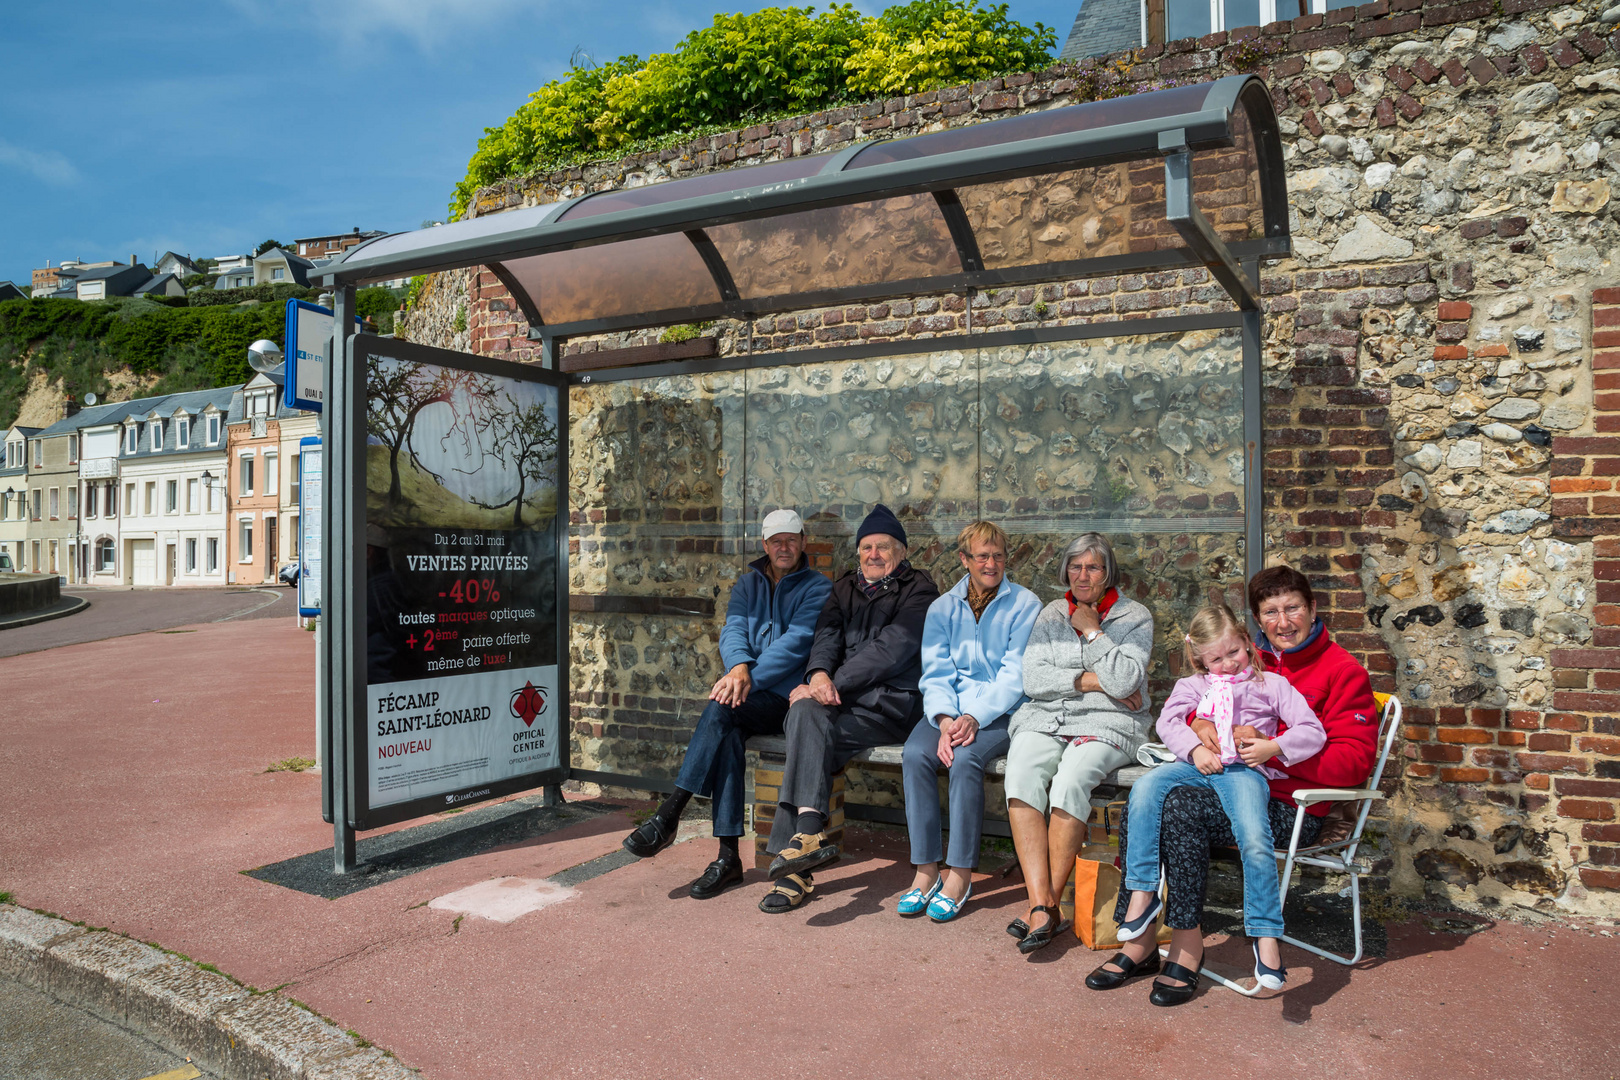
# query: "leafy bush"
{"points": [[752, 68]]}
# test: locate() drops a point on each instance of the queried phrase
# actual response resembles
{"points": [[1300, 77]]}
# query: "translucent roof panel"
{"points": [[695, 187], [838, 247], [653, 273], [1060, 193], [1090, 116]]}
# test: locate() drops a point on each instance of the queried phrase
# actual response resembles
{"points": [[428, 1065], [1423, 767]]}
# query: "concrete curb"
{"points": [[60, 610], [223, 1026]]}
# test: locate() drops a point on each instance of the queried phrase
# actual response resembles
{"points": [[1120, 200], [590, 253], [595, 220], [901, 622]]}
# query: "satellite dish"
{"points": [[90, 398], [264, 355]]}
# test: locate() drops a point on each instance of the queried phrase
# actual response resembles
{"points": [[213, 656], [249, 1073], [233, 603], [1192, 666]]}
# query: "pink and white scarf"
{"points": [[1216, 706]]}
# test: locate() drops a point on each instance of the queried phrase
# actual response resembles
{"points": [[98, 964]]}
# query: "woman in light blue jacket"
{"points": [[972, 679]]}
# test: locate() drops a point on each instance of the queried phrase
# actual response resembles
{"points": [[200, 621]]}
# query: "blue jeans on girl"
{"points": [[1244, 795]]}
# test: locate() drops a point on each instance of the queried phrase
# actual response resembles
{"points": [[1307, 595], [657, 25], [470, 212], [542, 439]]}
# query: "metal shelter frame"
{"points": [[531, 249]]}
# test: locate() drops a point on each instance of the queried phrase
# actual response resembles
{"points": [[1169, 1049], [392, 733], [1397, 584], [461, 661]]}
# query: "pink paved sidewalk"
{"points": [[135, 793]]}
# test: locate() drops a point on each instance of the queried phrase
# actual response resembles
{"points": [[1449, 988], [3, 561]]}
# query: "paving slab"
{"points": [[139, 802]]}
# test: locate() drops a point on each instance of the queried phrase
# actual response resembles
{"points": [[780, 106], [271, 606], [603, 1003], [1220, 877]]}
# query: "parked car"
{"points": [[289, 574], [5, 563]]}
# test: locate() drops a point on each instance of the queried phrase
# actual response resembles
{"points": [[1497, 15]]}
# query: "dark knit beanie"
{"points": [[881, 520]]}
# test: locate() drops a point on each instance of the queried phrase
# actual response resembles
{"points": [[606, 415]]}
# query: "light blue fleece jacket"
{"points": [[976, 668], [771, 629]]}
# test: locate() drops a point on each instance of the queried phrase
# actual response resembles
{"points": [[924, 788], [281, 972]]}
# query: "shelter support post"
{"points": [[1201, 238], [342, 576], [1254, 548]]}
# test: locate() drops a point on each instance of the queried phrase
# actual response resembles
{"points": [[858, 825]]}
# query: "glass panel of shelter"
{"points": [[1139, 437]]}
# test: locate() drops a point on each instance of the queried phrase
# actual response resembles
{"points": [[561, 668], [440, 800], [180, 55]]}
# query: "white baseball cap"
{"points": [[780, 521]]}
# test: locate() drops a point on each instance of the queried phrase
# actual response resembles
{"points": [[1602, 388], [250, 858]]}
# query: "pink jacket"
{"points": [[1259, 703]]}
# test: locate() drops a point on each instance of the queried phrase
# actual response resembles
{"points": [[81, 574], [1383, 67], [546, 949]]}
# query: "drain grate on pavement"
{"points": [[399, 854]]}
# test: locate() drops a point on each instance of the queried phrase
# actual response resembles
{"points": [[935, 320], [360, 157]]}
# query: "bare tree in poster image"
{"points": [[525, 440], [398, 391]]}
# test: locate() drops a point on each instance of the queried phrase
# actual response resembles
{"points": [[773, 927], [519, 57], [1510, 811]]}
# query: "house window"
{"points": [[244, 540], [112, 500], [292, 538], [157, 434], [151, 497], [244, 469], [129, 498], [278, 273], [271, 477], [37, 496], [171, 496], [182, 433], [1195, 18], [89, 500], [39, 454], [213, 554], [191, 556], [73, 449], [56, 503], [73, 502], [131, 436], [213, 429], [104, 554], [192, 505]]}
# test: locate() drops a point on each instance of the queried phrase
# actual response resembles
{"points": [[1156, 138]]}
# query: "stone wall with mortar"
{"points": [[1431, 448]]}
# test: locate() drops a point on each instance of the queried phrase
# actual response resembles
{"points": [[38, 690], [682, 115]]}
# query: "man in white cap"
{"points": [[770, 621]]}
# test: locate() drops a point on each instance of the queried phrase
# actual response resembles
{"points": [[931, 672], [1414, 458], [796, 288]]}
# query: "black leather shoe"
{"points": [[652, 837], [721, 875], [1165, 994], [1103, 979]]}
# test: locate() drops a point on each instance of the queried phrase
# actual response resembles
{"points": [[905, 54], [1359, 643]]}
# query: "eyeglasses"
{"points": [[1086, 568], [987, 557], [1292, 611]]}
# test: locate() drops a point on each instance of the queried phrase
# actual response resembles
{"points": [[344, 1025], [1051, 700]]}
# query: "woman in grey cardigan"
{"points": [[1085, 672]]}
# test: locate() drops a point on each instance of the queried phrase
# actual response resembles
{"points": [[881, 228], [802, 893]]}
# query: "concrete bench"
{"points": [[772, 755]]}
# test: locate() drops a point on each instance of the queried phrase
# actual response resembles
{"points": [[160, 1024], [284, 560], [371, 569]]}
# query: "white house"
{"points": [[153, 473]]}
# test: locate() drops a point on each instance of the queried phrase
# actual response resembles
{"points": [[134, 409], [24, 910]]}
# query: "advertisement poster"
{"points": [[461, 549], [310, 505]]}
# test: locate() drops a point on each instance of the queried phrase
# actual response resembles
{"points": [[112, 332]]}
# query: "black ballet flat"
{"points": [[1103, 979], [1167, 995], [1041, 938], [1018, 928]]}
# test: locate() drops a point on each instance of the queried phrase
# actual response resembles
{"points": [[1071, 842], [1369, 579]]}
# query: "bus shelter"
{"points": [[1144, 422]]}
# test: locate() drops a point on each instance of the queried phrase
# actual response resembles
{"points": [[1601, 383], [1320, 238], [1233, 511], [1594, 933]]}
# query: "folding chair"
{"points": [[1339, 857]]}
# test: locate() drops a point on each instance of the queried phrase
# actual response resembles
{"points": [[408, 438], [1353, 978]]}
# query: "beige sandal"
{"points": [[794, 889]]}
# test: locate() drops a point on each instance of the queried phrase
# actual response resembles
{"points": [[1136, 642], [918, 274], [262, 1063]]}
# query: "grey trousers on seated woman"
{"points": [[919, 764]]}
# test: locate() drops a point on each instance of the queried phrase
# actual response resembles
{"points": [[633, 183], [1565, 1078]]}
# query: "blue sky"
{"points": [[206, 127]]}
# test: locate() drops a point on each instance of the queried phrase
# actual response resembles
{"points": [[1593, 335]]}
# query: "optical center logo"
{"points": [[528, 703]]}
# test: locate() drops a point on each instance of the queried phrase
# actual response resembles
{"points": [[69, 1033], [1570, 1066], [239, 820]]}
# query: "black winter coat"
{"points": [[872, 648]]}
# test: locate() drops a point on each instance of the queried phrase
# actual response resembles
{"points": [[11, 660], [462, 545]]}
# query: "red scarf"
{"points": [[1103, 606]]}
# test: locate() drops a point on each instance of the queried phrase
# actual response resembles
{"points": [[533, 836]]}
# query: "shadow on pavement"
{"points": [[394, 855]]}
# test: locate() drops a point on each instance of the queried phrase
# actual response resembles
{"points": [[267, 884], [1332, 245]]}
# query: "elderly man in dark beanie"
{"points": [[860, 691]]}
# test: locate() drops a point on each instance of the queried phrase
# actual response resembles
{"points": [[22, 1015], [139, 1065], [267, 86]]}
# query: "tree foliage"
{"points": [[774, 62]]}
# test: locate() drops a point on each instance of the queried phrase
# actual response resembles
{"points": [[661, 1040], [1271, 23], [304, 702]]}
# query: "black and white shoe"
{"points": [[1131, 929], [1272, 978]]}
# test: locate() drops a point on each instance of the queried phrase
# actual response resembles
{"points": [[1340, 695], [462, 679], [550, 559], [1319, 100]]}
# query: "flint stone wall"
{"points": [[1429, 380]]}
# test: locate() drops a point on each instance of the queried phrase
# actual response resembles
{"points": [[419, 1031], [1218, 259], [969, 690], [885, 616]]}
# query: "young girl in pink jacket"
{"points": [[1223, 724]]}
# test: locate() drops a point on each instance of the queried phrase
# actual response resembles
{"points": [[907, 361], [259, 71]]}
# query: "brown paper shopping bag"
{"points": [[1096, 890]]}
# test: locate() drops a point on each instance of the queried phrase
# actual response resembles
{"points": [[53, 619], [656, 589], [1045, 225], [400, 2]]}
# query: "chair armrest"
{"points": [[1306, 796]]}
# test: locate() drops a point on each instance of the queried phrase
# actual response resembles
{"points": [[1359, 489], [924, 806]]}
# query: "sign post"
{"points": [[454, 674], [309, 343]]}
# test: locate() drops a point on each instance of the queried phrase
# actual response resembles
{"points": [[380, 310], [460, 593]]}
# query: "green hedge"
{"points": [[750, 68]]}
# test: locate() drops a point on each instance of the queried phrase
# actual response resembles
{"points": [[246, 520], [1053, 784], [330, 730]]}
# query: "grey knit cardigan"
{"points": [[1118, 656]]}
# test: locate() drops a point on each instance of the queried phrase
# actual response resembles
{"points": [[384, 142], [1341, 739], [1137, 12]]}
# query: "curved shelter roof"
{"points": [[1171, 178]]}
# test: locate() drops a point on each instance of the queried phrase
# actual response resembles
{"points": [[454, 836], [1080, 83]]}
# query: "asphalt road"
{"points": [[43, 1039], [119, 612]]}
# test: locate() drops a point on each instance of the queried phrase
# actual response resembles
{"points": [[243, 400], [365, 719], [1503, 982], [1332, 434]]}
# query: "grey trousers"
{"points": [[919, 765], [820, 740]]}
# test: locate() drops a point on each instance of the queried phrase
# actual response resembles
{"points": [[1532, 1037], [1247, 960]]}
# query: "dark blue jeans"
{"points": [[716, 759]]}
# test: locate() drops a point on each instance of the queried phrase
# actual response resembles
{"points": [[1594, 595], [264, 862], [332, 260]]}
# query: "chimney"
{"points": [[357, 230], [72, 406]]}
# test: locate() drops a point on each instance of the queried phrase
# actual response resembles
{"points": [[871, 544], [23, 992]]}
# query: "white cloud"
{"points": [[427, 23], [48, 166]]}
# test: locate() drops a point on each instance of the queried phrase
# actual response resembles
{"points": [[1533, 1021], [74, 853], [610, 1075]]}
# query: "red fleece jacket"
{"points": [[1340, 694]]}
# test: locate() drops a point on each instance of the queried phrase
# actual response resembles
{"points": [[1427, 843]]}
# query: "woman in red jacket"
{"points": [[1296, 645]]}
